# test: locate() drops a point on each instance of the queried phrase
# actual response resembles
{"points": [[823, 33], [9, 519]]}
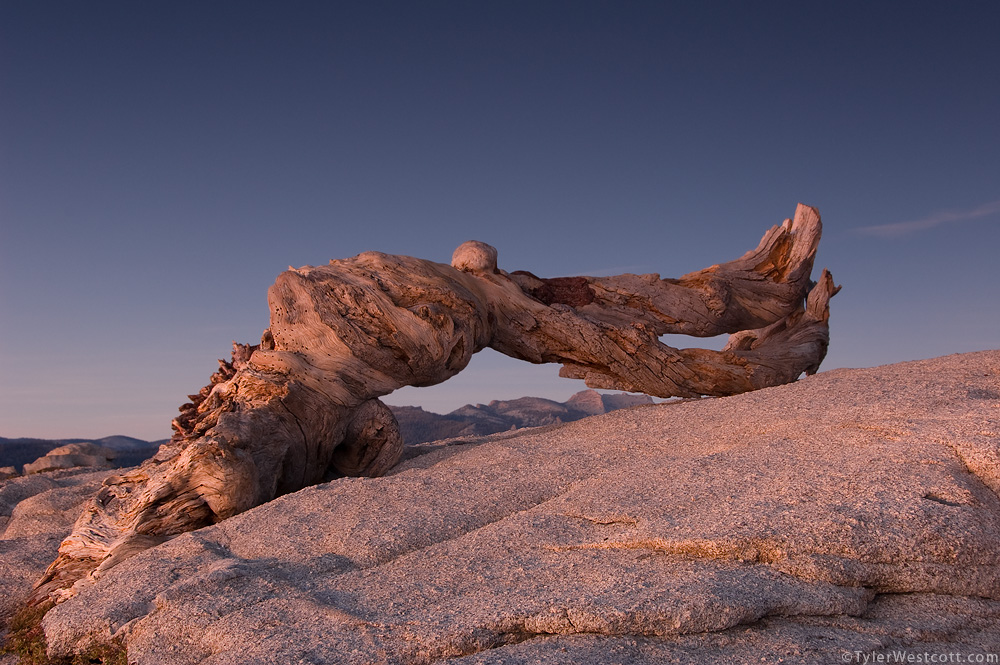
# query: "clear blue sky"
{"points": [[162, 162]]}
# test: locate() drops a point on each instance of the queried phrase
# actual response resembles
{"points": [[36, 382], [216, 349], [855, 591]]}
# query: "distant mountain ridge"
{"points": [[415, 424], [419, 426]]}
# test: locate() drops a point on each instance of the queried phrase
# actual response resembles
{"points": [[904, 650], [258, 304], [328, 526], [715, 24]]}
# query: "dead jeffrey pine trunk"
{"points": [[303, 403]]}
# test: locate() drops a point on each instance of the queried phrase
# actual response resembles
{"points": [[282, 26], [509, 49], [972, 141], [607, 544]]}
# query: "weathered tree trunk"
{"points": [[304, 403]]}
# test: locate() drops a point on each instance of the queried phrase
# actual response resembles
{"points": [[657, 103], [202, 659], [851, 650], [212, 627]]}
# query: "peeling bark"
{"points": [[303, 405]]}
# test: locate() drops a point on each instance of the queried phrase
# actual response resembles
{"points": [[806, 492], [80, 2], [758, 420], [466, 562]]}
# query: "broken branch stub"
{"points": [[302, 406]]}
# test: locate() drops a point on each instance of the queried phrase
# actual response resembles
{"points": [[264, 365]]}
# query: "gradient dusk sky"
{"points": [[162, 162]]}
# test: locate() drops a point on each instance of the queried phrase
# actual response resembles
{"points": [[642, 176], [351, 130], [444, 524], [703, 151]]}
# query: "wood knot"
{"points": [[475, 256]]}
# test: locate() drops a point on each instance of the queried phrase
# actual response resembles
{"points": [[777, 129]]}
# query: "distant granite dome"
{"points": [[127, 451], [73, 455], [587, 401]]}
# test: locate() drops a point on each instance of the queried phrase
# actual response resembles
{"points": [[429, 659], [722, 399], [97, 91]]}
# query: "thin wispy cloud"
{"points": [[897, 229]]}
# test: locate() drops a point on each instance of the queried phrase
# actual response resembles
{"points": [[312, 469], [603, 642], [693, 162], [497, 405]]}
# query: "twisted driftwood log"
{"points": [[303, 404]]}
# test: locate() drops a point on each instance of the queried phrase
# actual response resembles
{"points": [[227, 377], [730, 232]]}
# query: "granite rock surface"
{"points": [[36, 513], [853, 511]]}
